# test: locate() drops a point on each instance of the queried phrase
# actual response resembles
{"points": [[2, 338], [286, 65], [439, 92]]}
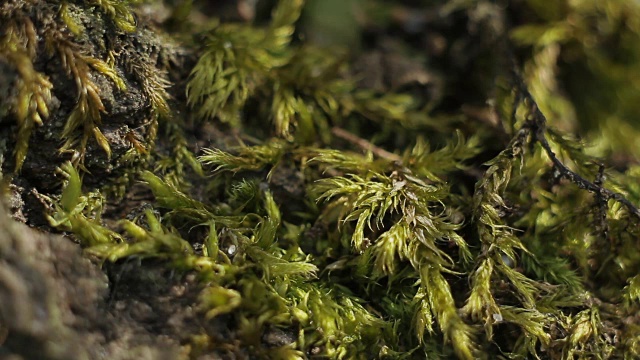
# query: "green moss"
{"points": [[358, 220], [30, 107], [237, 59]]}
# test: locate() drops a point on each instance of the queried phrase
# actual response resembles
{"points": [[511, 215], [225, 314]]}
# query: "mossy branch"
{"points": [[34, 93], [237, 58], [247, 158], [413, 237], [79, 213], [119, 11], [86, 114], [31, 106]]}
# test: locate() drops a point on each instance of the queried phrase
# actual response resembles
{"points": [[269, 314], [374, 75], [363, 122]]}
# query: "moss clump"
{"points": [[367, 219], [87, 85]]}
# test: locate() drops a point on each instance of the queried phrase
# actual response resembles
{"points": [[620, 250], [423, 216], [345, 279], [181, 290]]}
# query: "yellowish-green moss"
{"points": [[359, 221]]}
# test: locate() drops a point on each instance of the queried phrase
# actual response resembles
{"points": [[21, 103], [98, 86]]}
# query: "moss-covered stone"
{"points": [[81, 84]]}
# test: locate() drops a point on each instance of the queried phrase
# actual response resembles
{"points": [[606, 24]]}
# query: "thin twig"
{"points": [[602, 204], [365, 145], [538, 123]]}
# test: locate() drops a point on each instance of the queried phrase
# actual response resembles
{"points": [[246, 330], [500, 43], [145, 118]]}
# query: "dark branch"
{"points": [[538, 124]]}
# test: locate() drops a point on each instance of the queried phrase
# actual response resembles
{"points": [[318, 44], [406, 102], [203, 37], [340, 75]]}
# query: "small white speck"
{"points": [[497, 318], [231, 250]]}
